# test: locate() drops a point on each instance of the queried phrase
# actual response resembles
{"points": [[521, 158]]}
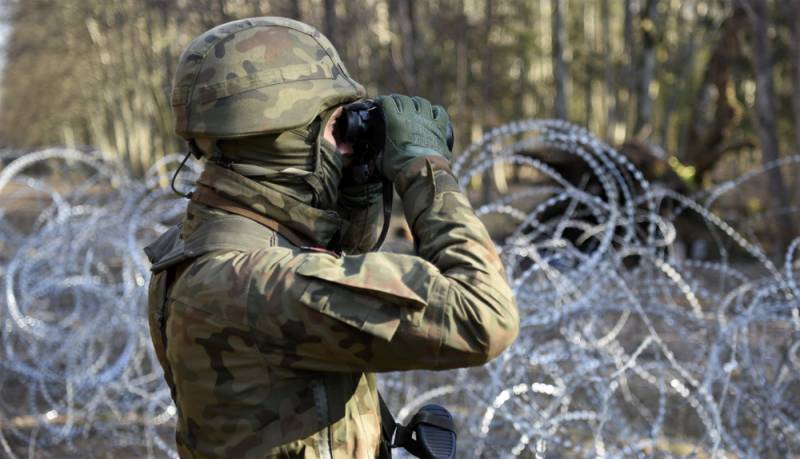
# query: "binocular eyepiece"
{"points": [[361, 124]]}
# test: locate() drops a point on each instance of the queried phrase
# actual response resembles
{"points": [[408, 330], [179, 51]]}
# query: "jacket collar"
{"points": [[318, 226]]}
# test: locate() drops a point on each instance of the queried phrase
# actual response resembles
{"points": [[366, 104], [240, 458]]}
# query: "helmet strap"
{"points": [[177, 171]]}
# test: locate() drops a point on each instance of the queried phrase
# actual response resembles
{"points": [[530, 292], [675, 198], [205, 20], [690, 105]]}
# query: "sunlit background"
{"points": [[652, 254], [675, 80]]}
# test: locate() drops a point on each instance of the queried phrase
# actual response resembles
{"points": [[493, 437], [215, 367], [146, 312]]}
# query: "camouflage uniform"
{"points": [[270, 342]]}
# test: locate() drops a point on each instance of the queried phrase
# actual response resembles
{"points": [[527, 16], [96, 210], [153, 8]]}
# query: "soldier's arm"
{"points": [[479, 317], [450, 307]]}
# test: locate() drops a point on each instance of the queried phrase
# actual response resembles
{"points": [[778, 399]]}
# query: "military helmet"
{"points": [[257, 76]]}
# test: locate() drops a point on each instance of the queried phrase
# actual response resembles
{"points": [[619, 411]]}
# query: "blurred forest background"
{"points": [[696, 91]]}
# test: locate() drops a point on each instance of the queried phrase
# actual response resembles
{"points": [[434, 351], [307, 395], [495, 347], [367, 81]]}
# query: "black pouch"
{"points": [[430, 434]]}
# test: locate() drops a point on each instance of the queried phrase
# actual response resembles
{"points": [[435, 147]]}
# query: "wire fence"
{"points": [[627, 346]]}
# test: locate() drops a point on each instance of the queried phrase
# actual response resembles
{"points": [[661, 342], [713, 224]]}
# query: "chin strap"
{"points": [[388, 195], [197, 152], [175, 176]]}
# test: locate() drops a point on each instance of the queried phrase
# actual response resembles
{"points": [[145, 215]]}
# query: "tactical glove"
{"points": [[414, 129]]}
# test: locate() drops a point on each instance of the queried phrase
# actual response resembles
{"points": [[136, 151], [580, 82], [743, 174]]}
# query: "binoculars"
{"points": [[362, 125]]}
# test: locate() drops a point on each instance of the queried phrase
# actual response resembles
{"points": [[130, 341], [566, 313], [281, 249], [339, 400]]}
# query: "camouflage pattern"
{"points": [[257, 76], [272, 346]]}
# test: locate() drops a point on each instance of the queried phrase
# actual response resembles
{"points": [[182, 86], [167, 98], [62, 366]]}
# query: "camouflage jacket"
{"points": [[270, 347]]}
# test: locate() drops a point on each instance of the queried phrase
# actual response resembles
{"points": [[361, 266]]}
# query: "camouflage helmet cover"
{"points": [[257, 76]]}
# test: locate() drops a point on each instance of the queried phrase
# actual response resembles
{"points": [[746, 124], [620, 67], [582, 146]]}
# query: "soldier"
{"points": [[269, 340]]}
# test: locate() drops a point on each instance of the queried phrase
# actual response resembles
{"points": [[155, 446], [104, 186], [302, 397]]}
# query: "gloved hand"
{"points": [[413, 129]]}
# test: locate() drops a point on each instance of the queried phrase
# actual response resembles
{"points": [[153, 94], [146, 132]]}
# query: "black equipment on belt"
{"points": [[430, 434]]}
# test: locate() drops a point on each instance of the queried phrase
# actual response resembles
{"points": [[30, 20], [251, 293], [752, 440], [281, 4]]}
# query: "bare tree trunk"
{"points": [[523, 50], [647, 64], [708, 140], [488, 117], [462, 75], [793, 10], [680, 65], [588, 76], [488, 82], [559, 68], [608, 73], [329, 21], [522, 83], [765, 105], [295, 11], [623, 104], [411, 42], [402, 15]]}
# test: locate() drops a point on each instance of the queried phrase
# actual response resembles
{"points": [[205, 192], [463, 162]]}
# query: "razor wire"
{"points": [[626, 348]]}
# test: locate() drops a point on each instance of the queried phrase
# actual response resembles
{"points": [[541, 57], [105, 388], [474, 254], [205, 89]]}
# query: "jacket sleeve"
{"points": [[449, 307]]}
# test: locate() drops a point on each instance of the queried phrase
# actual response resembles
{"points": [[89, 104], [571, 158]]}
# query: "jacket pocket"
{"points": [[374, 299]]}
